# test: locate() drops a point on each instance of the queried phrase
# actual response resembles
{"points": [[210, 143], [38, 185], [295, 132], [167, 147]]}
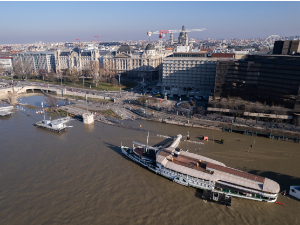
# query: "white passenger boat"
{"points": [[217, 181]]}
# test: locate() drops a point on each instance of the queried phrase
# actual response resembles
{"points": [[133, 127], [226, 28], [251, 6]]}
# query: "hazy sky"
{"points": [[27, 22]]}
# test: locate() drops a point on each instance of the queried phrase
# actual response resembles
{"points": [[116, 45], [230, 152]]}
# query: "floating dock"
{"points": [[54, 125]]}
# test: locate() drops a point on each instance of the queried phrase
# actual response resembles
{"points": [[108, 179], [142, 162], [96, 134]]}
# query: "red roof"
{"points": [[206, 50], [5, 57], [223, 55]]}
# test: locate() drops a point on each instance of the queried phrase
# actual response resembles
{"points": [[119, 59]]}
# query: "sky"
{"points": [[28, 22]]}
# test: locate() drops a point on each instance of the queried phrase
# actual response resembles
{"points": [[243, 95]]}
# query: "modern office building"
{"points": [[286, 48], [188, 76], [38, 60], [271, 78]]}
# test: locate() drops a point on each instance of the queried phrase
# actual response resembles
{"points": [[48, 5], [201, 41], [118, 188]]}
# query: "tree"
{"points": [[114, 81], [51, 75], [110, 70], [200, 110], [51, 101], [2, 69], [42, 74], [220, 98], [185, 105], [60, 75], [27, 69], [12, 97], [73, 75], [214, 97], [228, 98], [18, 68]]}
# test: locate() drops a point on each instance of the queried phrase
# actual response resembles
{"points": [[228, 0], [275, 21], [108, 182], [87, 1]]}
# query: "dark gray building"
{"points": [[271, 78]]}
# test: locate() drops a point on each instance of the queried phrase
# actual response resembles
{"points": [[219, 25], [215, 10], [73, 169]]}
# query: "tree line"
{"points": [[93, 70]]}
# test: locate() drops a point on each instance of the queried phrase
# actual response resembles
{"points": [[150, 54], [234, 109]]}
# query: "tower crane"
{"points": [[162, 33], [100, 36], [84, 39]]}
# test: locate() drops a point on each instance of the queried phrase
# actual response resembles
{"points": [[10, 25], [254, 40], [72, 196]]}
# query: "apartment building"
{"points": [[188, 76]]}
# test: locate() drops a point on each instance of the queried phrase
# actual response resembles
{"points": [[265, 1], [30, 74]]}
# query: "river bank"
{"points": [[225, 127]]}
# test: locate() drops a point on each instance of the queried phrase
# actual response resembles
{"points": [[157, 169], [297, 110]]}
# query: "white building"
{"points": [[132, 64], [74, 58], [188, 76], [183, 49], [38, 60], [6, 62]]}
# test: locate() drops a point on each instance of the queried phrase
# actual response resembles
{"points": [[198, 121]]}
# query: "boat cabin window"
{"points": [[293, 190]]}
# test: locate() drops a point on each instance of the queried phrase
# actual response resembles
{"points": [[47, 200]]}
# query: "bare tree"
{"points": [[59, 75], [200, 110], [42, 74], [27, 68], [110, 70], [2, 69], [73, 75], [52, 102], [114, 81], [51, 75], [22, 68], [185, 105], [18, 68]]}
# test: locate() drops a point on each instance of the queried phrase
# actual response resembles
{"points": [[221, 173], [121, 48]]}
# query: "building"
{"points": [[183, 49], [286, 48], [135, 64], [271, 78], [189, 54], [188, 76], [38, 60], [183, 37], [6, 63], [74, 58]]}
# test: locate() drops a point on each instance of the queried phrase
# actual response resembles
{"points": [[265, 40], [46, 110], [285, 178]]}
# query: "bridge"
{"points": [[45, 88]]}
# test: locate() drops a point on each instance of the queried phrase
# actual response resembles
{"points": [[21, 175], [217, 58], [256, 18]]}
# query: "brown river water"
{"points": [[80, 176]]}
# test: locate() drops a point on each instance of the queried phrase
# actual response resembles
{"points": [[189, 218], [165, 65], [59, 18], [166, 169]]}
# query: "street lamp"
{"points": [[119, 79]]}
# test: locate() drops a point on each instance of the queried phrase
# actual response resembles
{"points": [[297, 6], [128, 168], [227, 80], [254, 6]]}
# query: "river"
{"points": [[80, 176]]}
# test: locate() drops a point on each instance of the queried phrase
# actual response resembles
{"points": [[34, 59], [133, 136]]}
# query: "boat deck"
{"points": [[190, 162]]}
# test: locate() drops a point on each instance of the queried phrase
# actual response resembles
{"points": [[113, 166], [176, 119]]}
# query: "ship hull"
{"points": [[207, 187]]}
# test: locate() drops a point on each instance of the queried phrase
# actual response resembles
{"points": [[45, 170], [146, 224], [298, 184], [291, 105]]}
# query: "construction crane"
{"points": [[100, 36], [84, 39], [162, 33]]}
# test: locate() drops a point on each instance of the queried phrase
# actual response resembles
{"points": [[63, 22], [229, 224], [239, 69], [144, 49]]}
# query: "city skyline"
{"points": [[29, 22]]}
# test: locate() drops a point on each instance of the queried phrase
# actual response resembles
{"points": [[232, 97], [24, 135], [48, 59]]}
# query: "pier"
{"points": [[57, 125]]}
